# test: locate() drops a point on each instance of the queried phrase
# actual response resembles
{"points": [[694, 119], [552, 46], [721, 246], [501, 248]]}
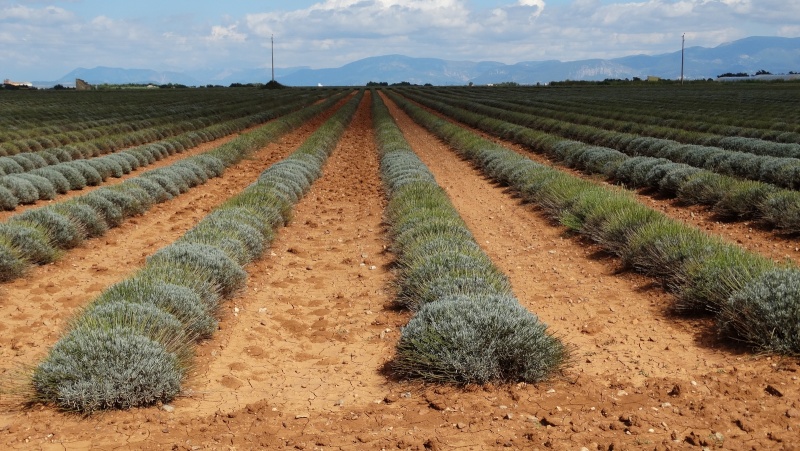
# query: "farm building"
{"points": [[17, 84]]}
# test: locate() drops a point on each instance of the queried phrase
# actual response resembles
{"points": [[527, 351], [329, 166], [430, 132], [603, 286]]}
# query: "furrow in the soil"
{"points": [[571, 288], [625, 342], [311, 333], [37, 306], [748, 234]]}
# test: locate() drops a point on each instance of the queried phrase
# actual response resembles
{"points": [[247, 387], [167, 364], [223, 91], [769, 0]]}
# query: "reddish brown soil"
{"points": [[751, 235], [35, 307], [298, 362]]}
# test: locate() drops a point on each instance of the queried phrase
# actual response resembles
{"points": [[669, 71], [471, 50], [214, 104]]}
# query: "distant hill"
{"points": [[774, 54], [226, 76], [393, 68], [777, 55]]}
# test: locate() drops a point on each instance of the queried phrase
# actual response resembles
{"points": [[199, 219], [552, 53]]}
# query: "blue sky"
{"points": [[45, 39]]}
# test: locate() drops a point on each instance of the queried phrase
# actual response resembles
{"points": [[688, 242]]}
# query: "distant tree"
{"points": [[377, 83], [731, 74], [427, 84], [60, 86], [763, 72], [272, 84], [245, 85], [402, 83]]}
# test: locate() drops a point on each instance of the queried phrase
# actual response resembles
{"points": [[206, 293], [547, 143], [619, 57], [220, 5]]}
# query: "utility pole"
{"points": [[683, 47], [272, 41]]}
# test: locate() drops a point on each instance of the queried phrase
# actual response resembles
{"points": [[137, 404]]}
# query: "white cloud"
{"points": [[229, 33], [48, 15], [330, 33], [538, 5], [364, 18]]}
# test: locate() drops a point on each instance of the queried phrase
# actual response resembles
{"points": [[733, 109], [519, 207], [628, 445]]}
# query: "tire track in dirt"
{"points": [[37, 306]]}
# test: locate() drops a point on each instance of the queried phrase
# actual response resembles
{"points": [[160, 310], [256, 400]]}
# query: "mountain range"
{"points": [[774, 54]]}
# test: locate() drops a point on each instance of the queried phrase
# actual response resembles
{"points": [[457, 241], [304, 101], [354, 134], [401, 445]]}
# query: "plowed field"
{"points": [[299, 360]]}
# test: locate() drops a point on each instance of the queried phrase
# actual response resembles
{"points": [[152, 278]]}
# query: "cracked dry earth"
{"points": [[298, 360]]}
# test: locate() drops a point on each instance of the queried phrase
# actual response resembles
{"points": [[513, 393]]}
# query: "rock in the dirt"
{"points": [[168, 408], [630, 420], [700, 437], [435, 404], [773, 391], [745, 425], [551, 420]]}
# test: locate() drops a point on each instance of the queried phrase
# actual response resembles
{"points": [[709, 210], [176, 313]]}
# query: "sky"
{"points": [[45, 39]]}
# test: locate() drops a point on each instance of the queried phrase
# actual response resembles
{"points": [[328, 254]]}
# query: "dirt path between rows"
{"points": [[749, 234], [298, 362], [35, 308], [629, 354]]}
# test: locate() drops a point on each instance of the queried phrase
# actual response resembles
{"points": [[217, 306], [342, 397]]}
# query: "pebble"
{"points": [[300, 415], [553, 421], [774, 391], [168, 408]]}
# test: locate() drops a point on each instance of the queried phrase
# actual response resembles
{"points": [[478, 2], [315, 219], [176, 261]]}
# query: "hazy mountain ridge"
{"points": [[774, 54]]}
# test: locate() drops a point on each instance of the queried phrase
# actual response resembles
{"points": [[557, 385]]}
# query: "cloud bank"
{"points": [[45, 39]]}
